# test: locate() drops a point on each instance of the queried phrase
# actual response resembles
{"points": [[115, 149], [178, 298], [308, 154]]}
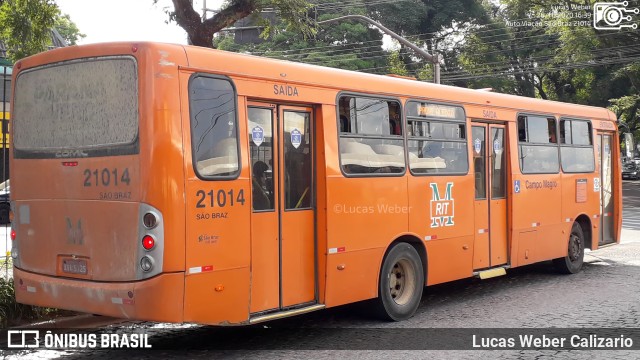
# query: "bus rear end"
{"points": [[96, 173]]}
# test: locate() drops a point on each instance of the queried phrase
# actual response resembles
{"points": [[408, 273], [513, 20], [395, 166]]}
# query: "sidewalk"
{"points": [[629, 235]]}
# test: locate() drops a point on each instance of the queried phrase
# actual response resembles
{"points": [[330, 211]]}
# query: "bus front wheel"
{"points": [[572, 263], [401, 283]]}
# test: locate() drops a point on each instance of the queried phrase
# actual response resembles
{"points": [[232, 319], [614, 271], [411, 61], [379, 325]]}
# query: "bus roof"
{"points": [[294, 73], [300, 73]]}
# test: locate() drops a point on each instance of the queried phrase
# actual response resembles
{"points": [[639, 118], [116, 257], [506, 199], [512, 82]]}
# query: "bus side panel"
{"points": [[217, 297], [578, 198], [327, 125], [352, 276], [441, 213], [364, 215], [162, 168], [217, 235], [536, 208]]}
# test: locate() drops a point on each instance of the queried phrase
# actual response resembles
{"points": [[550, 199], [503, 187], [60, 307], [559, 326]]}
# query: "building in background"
{"points": [[6, 67]]}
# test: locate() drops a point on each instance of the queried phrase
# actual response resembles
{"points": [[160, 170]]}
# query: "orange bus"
{"points": [[182, 184]]}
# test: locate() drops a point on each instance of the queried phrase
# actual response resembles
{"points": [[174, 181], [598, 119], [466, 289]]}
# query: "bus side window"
{"points": [[261, 153], [538, 149], [370, 136], [576, 146], [213, 127]]}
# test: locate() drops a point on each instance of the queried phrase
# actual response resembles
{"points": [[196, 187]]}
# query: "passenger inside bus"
{"points": [[343, 108], [261, 199], [395, 124]]}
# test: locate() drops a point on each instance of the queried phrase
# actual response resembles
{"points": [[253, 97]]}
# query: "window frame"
{"points": [[572, 145], [237, 173], [556, 145], [374, 137], [114, 149], [465, 141], [274, 151], [312, 144]]}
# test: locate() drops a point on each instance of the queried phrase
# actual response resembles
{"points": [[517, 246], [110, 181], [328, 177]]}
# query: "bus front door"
{"points": [[283, 256], [490, 169], [607, 220]]}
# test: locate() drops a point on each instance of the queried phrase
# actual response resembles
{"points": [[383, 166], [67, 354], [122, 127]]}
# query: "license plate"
{"points": [[74, 266]]}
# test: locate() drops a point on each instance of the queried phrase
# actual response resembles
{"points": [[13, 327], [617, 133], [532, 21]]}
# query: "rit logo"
{"points": [[441, 207]]}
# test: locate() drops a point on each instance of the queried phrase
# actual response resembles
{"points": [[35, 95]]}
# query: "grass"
{"points": [[13, 313]]}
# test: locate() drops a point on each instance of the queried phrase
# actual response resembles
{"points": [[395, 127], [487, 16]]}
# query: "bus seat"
{"points": [[224, 159], [389, 149], [393, 155], [355, 148], [426, 163]]}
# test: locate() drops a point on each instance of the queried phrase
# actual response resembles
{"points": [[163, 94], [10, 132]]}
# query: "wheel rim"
{"points": [[402, 279], [575, 244]]}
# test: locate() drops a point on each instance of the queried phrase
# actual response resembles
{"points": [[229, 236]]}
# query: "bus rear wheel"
{"points": [[572, 263], [401, 283]]}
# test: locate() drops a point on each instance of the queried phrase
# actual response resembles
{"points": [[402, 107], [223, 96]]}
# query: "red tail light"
{"points": [[148, 242], [13, 234]]}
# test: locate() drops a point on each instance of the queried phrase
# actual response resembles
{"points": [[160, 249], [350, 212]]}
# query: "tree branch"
{"points": [[201, 33]]}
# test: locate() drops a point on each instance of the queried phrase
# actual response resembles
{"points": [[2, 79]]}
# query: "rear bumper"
{"points": [[160, 298]]}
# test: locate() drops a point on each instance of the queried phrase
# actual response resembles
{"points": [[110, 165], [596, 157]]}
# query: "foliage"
{"points": [[519, 47], [13, 313], [627, 110], [353, 45], [430, 20], [25, 26], [68, 29], [200, 31], [396, 66], [537, 49], [346, 44]]}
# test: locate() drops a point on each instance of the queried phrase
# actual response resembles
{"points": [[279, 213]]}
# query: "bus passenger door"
{"points": [[282, 225], [607, 226], [490, 170], [297, 215]]}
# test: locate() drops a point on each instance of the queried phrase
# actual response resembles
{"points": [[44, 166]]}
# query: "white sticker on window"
{"points": [[257, 135], [296, 138]]}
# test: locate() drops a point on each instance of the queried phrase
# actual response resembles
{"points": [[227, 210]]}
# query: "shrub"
{"points": [[13, 313]]}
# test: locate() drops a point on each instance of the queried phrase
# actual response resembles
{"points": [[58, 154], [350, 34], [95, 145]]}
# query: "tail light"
{"points": [[150, 253], [146, 263], [13, 235], [148, 242], [149, 220]]}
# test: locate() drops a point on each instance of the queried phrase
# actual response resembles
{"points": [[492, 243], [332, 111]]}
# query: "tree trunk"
{"points": [[200, 32]]}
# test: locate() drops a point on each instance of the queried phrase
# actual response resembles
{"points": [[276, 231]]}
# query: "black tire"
{"points": [[572, 263], [4, 213], [400, 284]]}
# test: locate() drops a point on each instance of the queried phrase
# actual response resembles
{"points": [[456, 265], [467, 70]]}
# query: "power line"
{"points": [[591, 63], [331, 58], [349, 3], [500, 64]]}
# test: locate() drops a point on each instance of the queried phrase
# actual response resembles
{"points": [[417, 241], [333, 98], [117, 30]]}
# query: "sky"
{"points": [[126, 20]]}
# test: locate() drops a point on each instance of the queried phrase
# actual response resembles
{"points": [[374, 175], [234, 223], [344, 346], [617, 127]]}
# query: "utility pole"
{"points": [[434, 59]]}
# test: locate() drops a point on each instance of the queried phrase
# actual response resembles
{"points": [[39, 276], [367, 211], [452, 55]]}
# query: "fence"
{"points": [[5, 228]]}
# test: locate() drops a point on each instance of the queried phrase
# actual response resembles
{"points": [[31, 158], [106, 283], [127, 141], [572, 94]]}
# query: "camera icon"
{"points": [[610, 15]]}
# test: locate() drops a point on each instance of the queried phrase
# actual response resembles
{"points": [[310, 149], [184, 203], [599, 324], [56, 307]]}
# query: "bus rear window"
{"points": [[88, 104]]}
